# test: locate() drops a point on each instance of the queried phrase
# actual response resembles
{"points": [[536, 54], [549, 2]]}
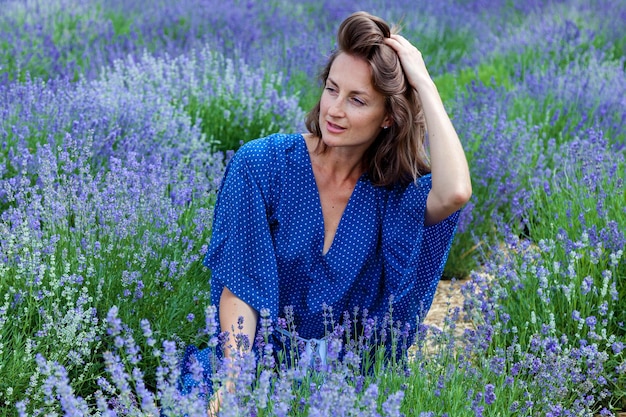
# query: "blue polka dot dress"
{"points": [[268, 238]]}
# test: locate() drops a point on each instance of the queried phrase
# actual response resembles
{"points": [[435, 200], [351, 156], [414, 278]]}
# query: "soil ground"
{"points": [[447, 297]]}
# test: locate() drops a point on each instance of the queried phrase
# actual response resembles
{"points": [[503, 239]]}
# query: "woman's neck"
{"points": [[338, 164]]}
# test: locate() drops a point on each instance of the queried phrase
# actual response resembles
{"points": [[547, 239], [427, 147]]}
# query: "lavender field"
{"points": [[117, 119]]}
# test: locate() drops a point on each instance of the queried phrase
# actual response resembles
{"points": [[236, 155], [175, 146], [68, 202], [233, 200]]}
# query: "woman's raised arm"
{"points": [[451, 184]]}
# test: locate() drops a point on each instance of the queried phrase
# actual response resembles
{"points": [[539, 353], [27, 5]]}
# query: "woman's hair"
{"points": [[398, 155]]}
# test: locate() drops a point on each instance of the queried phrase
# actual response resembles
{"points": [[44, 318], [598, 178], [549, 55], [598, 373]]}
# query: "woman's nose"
{"points": [[336, 108]]}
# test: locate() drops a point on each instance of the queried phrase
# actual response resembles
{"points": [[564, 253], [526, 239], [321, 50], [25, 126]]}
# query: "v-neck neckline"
{"points": [[318, 203]]}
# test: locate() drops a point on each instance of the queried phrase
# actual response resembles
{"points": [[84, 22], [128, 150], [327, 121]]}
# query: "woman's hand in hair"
{"points": [[411, 60]]}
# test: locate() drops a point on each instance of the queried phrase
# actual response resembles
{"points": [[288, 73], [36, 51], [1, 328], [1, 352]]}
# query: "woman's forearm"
{"points": [[231, 311], [451, 183], [239, 320]]}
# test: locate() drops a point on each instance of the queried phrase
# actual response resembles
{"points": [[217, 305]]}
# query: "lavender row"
{"points": [[71, 39], [106, 188]]}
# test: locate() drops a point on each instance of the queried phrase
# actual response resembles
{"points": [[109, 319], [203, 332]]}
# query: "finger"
{"points": [[396, 36], [393, 39], [401, 45], [395, 44], [400, 39]]}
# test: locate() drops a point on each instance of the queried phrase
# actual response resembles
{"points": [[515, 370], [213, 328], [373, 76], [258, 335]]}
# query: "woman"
{"points": [[352, 213]]}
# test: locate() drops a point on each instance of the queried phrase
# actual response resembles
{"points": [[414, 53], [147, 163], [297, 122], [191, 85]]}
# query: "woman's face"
{"points": [[352, 112]]}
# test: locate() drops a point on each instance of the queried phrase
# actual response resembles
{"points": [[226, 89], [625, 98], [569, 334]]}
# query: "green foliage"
{"points": [[307, 90], [60, 323], [495, 73], [121, 22], [223, 125], [441, 47], [569, 209]]}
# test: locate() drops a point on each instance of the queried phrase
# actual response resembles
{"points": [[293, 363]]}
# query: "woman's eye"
{"points": [[358, 101]]}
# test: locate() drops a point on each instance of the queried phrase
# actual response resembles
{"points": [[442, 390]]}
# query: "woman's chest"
{"points": [[333, 202], [320, 225]]}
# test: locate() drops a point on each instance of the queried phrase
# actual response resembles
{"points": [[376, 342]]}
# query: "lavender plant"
{"points": [[561, 293], [518, 119], [110, 113], [74, 241], [71, 39], [262, 388]]}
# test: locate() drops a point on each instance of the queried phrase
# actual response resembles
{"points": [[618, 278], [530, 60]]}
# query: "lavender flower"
{"points": [[147, 332], [490, 395], [114, 322], [391, 407]]}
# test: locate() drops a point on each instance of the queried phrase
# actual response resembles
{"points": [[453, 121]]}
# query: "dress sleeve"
{"points": [[414, 254], [241, 252]]}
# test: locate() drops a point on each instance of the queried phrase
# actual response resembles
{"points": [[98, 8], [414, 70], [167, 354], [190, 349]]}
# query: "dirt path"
{"points": [[447, 297]]}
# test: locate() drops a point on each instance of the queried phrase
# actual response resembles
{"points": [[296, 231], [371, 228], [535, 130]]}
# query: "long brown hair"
{"points": [[398, 155]]}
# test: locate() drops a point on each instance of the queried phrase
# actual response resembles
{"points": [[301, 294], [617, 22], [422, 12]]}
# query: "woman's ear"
{"points": [[387, 122]]}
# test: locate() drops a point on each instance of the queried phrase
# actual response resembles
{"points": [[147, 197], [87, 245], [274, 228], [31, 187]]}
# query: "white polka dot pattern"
{"points": [[268, 235]]}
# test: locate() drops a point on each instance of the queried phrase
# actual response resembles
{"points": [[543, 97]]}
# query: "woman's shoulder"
{"points": [[267, 155], [270, 146]]}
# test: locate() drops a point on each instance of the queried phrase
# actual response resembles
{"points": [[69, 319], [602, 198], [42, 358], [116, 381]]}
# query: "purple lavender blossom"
{"points": [[490, 395], [591, 321], [114, 322], [391, 406]]}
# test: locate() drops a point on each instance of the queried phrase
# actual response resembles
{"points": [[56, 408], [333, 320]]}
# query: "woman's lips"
{"points": [[333, 128]]}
